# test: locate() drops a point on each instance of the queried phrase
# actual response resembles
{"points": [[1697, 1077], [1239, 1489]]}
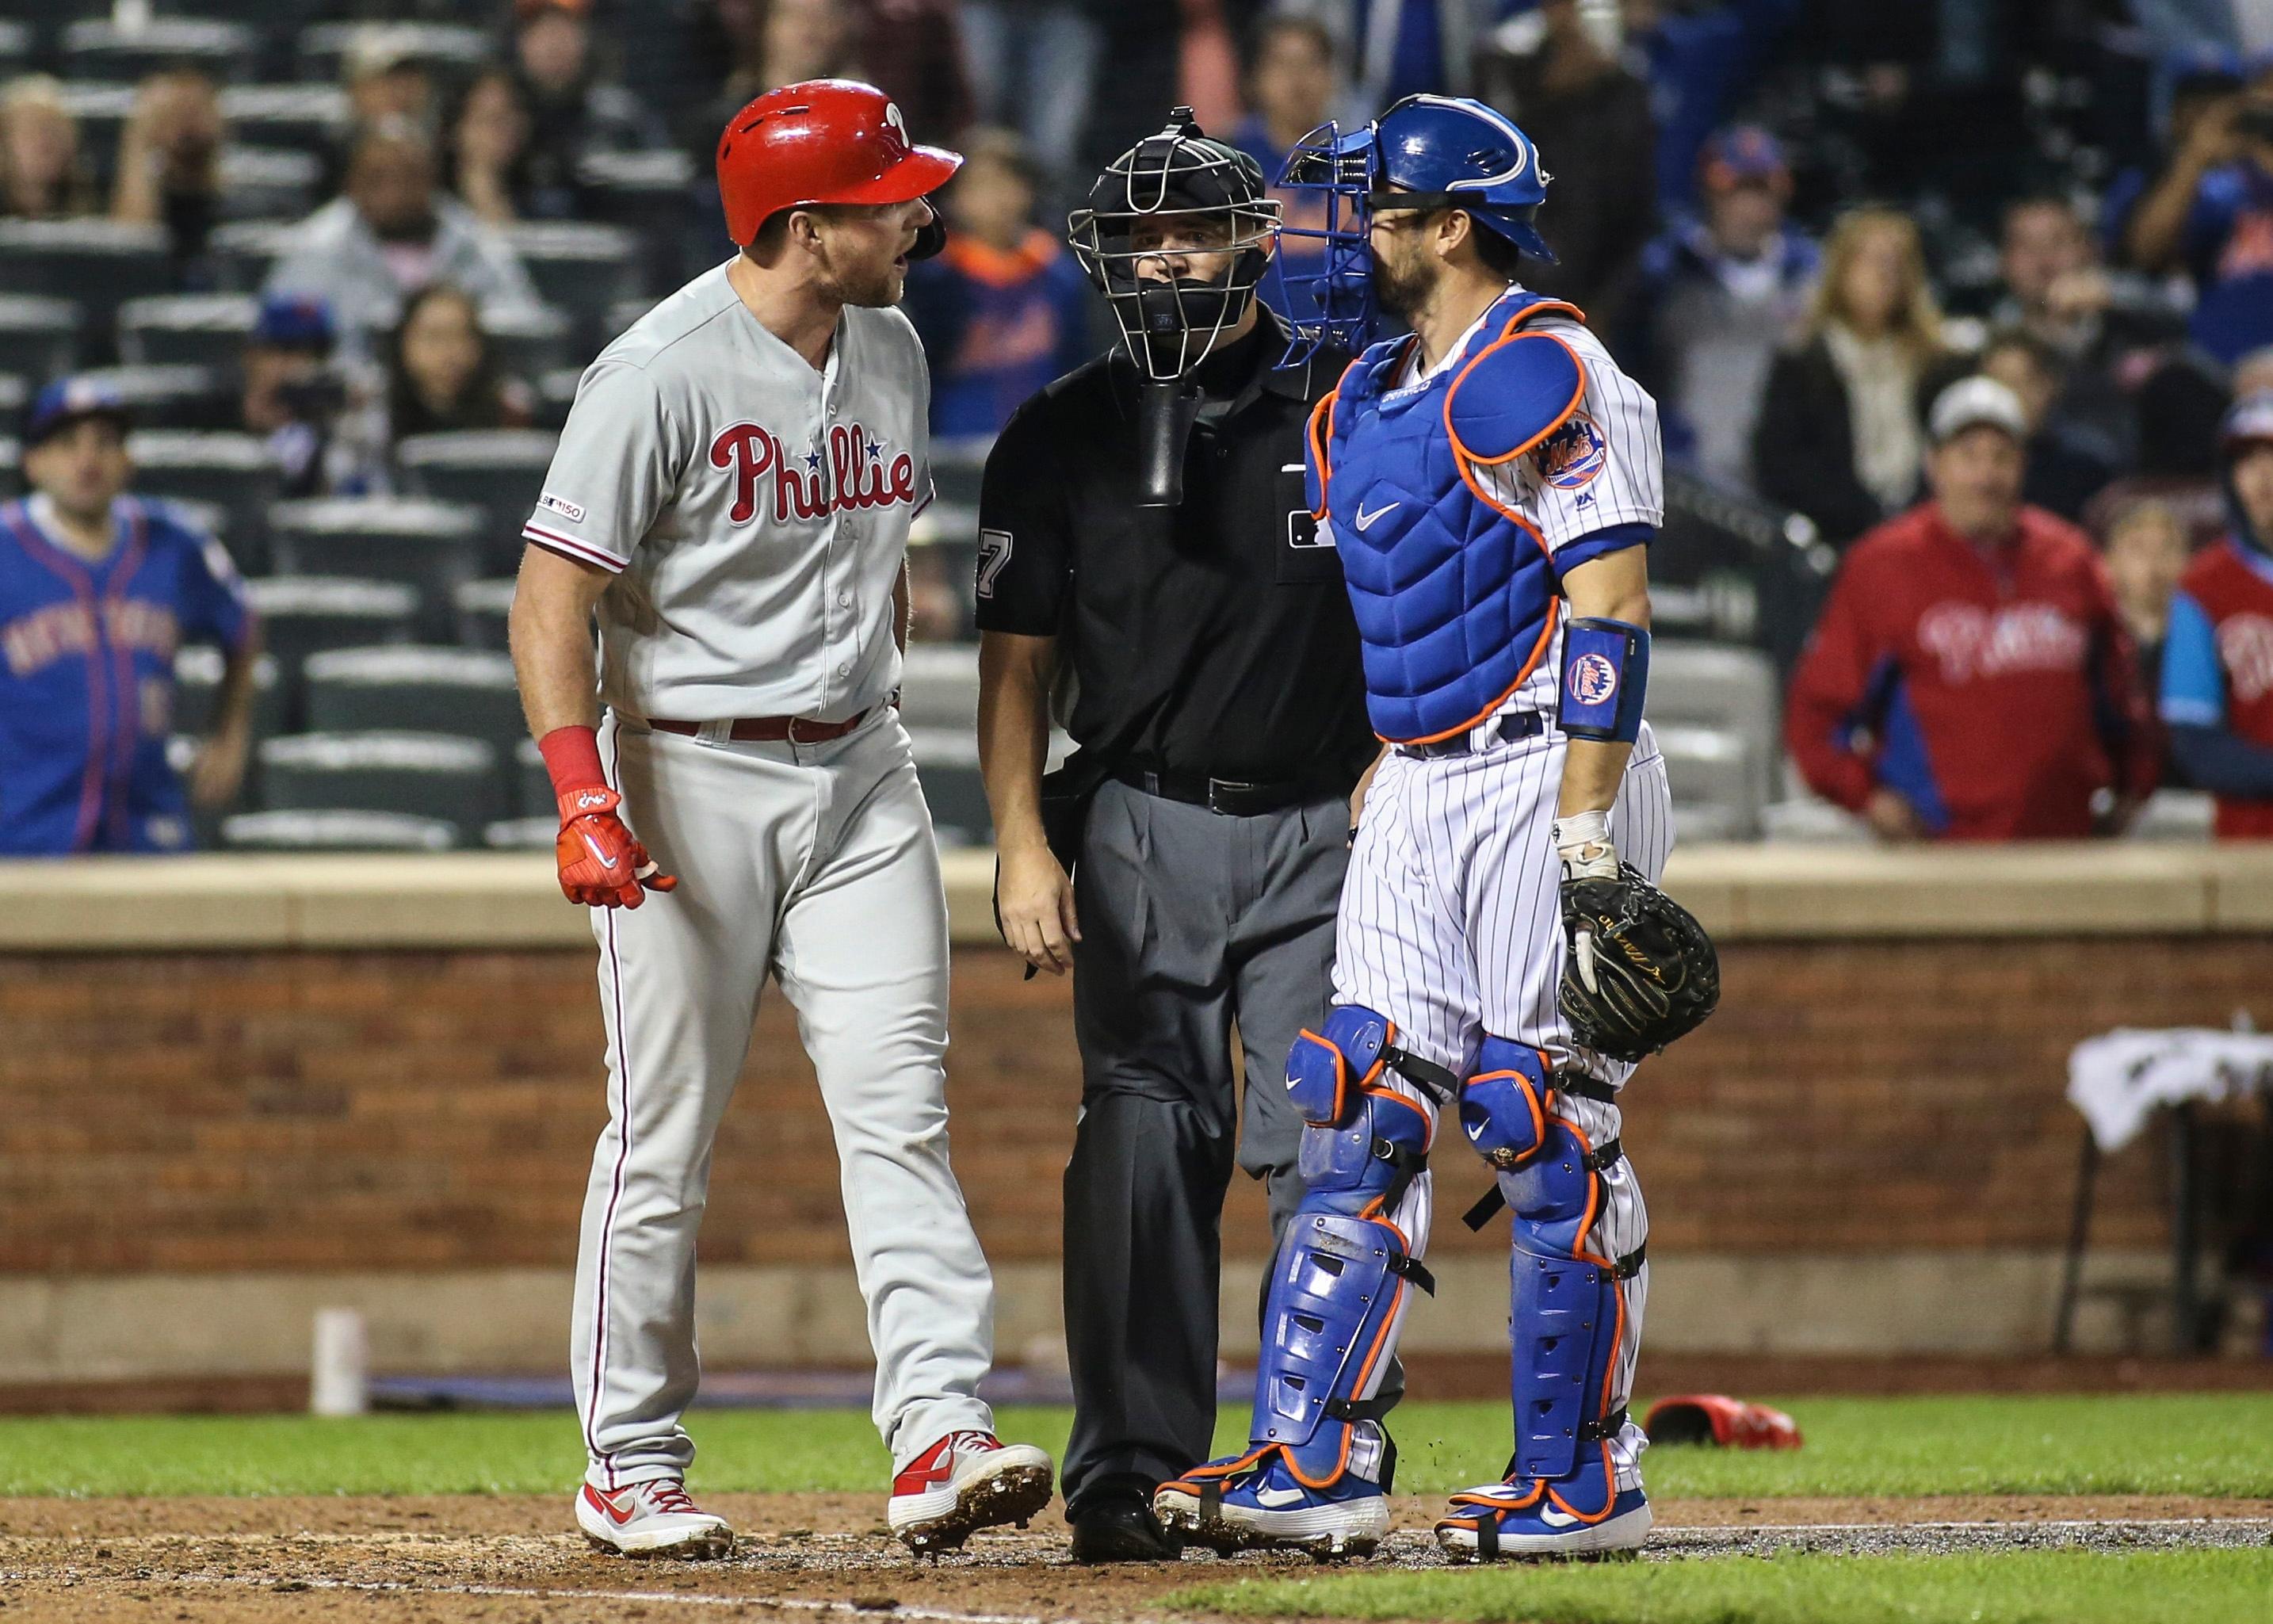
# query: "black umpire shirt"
{"points": [[1224, 618]]}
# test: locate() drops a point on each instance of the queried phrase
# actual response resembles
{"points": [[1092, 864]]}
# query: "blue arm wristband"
{"points": [[1605, 675]]}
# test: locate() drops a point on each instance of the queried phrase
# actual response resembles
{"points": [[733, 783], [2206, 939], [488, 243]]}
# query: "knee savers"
{"points": [[1503, 1104], [1568, 1318]]}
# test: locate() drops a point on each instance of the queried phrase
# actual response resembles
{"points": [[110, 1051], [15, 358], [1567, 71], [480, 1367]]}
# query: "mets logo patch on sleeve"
{"points": [[1573, 454]]}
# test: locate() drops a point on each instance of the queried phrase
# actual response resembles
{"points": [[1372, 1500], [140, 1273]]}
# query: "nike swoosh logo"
{"points": [[609, 1505], [1278, 1497], [1556, 1519], [598, 856], [1365, 520]]}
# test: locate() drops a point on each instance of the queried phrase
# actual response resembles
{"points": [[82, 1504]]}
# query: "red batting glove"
{"points": [[601, 865]]}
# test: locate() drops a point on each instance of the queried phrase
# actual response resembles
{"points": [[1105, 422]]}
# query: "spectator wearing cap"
{"points": [[2217, 661], [303, 404], [1838, 436], [97, 590], [2210, 215], [169, 164], [574, 107], [1970, 677], [43, 175], [1004, 309], [1590, 118], [2071, 458], [1721, 293], [392, 232], [386, 80]]}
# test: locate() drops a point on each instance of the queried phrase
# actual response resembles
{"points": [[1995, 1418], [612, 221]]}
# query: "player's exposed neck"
{"points": [[1460, 296], [794, 311]]}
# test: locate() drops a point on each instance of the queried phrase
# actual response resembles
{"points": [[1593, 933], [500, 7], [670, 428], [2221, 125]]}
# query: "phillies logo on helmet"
{"points": [[858, 470], [1594, 679]]}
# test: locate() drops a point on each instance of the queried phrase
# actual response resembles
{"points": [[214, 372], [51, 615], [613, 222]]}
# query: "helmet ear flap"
{"points": [[931, 239]]}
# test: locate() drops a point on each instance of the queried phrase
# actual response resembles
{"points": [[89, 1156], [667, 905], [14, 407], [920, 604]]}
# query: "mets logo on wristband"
{"points": [[1573, 454], [1592, 679]]}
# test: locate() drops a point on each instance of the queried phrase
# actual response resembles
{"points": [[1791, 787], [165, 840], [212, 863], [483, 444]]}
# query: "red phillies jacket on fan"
{"points": [[1991, 686], [2217, 665]]}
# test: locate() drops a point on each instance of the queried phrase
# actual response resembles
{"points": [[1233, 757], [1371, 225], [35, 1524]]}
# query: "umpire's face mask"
{"points": [[1179, 281]]}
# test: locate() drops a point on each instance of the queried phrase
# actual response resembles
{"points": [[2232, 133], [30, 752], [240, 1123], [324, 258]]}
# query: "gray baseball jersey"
{"points": [[755, 511]]}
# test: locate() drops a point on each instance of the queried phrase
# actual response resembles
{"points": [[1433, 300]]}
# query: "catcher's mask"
{"points": [[1181, 185]]}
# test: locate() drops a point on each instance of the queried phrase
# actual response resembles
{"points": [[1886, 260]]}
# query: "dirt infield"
{"points": [[447, 1561]]}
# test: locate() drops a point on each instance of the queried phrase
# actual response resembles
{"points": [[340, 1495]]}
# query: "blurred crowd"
{"points": [[1800, 224]]}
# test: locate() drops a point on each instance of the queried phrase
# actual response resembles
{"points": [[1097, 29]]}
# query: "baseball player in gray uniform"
{"points": [[731, 497]]}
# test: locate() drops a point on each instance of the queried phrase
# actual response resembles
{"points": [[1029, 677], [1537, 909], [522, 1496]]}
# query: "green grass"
{"points": [[2032, 1587], [2159, 1444]]}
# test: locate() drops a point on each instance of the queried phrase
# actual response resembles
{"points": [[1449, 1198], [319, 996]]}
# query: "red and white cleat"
{"points": [[965, 1482], [651, 1519]]}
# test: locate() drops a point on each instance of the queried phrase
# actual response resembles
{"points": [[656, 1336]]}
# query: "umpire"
{"points": [[1143, 528]]}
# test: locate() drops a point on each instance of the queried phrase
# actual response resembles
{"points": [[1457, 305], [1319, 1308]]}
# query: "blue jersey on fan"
{"points": [[86, 676]]}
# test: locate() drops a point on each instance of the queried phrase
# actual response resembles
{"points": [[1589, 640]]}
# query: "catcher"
{"points": [[1492, 483]]}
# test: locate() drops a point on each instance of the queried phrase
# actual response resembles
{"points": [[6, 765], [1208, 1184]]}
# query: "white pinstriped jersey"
{"points": [[754, 511]]}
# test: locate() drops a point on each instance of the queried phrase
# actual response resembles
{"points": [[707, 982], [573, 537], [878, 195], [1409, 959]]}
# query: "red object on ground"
{"points": [[1716, 1419]]}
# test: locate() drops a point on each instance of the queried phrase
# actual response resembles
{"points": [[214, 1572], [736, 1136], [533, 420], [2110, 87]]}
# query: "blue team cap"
{"points": [[66, 401], [1741, 153], [294, 321], [2248, 421]]}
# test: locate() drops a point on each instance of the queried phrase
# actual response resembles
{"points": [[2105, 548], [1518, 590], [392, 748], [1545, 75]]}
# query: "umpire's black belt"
{"points": [[1227, 796], [1514, 725]]}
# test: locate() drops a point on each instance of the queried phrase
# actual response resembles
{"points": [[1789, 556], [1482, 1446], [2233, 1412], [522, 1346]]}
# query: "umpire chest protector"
{"points": [[1454, 593]]}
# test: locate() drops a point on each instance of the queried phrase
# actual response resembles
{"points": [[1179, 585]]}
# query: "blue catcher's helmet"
{"points": [[1425, 152]]}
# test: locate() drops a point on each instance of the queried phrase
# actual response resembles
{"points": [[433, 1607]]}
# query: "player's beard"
{"points": [[1401, 289], [848, 283]]}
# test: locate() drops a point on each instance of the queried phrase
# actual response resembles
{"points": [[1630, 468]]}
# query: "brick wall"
{"points": [[421, 1110]]}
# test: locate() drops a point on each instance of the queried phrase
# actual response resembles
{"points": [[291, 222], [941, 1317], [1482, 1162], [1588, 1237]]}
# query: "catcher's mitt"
{"points": [[1640, 971]]}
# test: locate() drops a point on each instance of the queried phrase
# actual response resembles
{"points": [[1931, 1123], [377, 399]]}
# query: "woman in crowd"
{"points": [[170, 160], [442, 372], [489, 148], [43, 174], [1841, 435]]}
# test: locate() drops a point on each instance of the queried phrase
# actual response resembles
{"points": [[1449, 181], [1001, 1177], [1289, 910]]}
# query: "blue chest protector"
{"points": [[1454, 596]]}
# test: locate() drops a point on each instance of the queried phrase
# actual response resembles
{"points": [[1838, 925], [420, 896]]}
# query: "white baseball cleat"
{"points": [[651, 1519], [965, 1482]]}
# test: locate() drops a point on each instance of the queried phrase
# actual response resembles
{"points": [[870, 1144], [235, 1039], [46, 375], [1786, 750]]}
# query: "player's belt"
{"points": [[1514, 724], [766, 729], [1230, 797]]}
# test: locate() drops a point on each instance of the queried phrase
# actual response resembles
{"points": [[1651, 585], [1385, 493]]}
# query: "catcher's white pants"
{"points": [[814, 863], [1452, 926]]}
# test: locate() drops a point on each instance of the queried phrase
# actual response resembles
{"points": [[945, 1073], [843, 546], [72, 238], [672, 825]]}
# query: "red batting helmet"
{"points": [[825, 140]]}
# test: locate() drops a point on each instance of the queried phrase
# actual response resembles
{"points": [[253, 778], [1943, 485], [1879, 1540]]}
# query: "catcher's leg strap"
{"points": [[1568, 1313], [1328, 1071], [1336, 1286]]}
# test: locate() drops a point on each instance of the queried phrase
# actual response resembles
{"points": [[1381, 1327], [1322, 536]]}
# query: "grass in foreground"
{"points": [[2218, 1446], [2032, 1587]]}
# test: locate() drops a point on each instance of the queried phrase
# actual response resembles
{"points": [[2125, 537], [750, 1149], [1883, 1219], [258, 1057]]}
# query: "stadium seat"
{"points": [[243, 250], [98, 108], [427, 545], [268, 183], [15, 46], [1711, 768], [532, 783], [196, 329], [939, 686], [99, 263], [302, 615], [1807, 820], [336, 831], [2176, 814], [12, 471], [584, 268], [649, 195], [309, 117], [450, 46], [483, 606], [946, 765], [1723, 686], [15, 394], [533, 339], [425, 775], [171, 397], [499, 472], [196, 685], [414, 688], [39, 337], [98, 48], [522, 834], [231, 471], [556, 393]]}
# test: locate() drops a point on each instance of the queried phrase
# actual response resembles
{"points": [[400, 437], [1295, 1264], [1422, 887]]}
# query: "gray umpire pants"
{"points": [[1190, 922]]}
